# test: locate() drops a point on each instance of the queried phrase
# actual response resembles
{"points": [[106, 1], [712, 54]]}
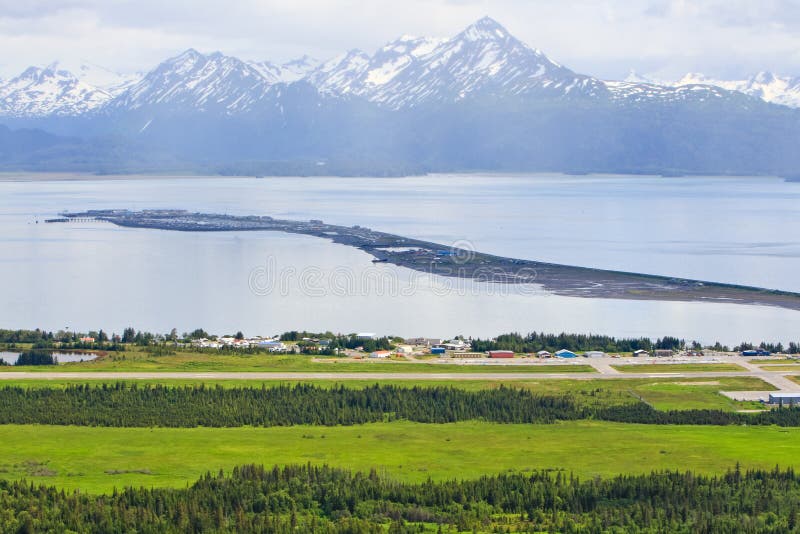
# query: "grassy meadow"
{"points": [[678, 367], [99, 459]]}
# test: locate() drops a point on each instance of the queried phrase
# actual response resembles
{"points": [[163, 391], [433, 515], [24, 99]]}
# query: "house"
{"points": [[564, 353], [404, 349], [663, 353], [544, 354], [87, 339], [594, 354], [501, 353], [641, 353], [382, 354]]}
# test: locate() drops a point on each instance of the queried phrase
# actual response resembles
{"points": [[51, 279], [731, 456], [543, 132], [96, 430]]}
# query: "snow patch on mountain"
{"points": [[49, 91], [783, 90], [290, 71]]}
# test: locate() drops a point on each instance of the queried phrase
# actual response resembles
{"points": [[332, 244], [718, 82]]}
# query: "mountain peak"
{"points": [[764, 77], [636, 77], [190, 54], [485, 29]]}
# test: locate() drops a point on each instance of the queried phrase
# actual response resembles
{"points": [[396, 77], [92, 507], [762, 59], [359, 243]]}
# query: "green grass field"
{"points": [[678, 367], [98, 459], [134, 360], [780, 367]]}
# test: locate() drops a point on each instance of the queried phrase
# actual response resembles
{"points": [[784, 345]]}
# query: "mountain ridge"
{"points": [[484, 59], [480, 100]]}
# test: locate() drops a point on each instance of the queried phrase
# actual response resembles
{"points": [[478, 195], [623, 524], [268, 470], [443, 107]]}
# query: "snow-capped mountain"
{"points": [[783, 90], [483, 60], [49, 91], [340, 75], [199, 82], [479, 100]]}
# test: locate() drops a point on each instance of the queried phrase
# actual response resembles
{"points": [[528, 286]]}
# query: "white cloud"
{"points": [[604, 38]]}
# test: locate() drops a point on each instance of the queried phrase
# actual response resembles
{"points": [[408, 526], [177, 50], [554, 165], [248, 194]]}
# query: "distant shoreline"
{"points": [[36, 177]]}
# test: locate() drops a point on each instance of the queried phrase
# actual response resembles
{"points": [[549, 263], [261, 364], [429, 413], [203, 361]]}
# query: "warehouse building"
{"points": [[784, 399]]}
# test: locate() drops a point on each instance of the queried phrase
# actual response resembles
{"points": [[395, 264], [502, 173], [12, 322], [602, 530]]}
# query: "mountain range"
{"points": [[481, 100]]}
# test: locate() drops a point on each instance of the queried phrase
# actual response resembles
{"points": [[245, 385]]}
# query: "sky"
{"points": [[605, 38]]}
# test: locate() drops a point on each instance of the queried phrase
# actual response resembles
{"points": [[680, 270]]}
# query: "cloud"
{"points": [[600, 37]]}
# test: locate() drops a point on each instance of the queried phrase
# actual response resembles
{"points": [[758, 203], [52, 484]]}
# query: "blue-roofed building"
{"points": [[564, 353]]}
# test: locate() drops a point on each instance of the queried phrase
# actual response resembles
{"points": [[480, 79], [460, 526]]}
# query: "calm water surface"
{"points": [[93, 275]]}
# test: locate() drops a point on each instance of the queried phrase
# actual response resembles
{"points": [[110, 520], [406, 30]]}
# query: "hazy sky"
{"points": [[727, 38]]}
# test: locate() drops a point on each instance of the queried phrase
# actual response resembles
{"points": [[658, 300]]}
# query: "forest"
{"points": [[321, 499], [122, 405]]}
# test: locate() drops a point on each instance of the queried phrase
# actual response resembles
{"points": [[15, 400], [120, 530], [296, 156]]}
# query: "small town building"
{"points": [[782, 398], [501, 353], [468, 355], [424, 341], [455, 345], [438, 350], [663, 353], [273, 346], [381, 354], [594, 354], [564, 353], [756, 352], [641, 353], [404, 349], [543, 354]]}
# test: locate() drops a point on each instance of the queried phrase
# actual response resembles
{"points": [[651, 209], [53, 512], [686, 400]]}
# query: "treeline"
{"points": [[123, 405], [536, 341], [36, 357], [325, 500]]}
